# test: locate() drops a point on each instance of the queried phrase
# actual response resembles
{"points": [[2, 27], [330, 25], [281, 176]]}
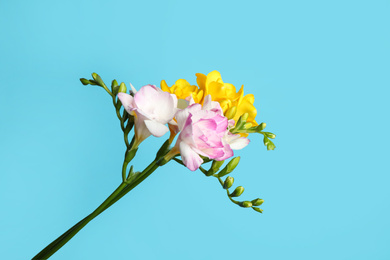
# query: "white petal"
{"points": [[236, 142], [190, 158], [207, 102], [127, 101], [133, 88], [155, 128]]}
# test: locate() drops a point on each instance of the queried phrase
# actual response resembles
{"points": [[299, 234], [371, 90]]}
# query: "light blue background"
{"points": [[319, 71]]}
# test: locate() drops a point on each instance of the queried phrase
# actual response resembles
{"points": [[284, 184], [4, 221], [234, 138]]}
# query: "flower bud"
{"points": [[114, 87], [247, 125], [229, 167], [228, 182], [231, 112], [261, 127], [266, 140], [85, 81], [257, 202], [258, 209], [98, 79], [122, 88], [237, 192], [214, 167], [245, 204], [244, 117], [271, 135]]}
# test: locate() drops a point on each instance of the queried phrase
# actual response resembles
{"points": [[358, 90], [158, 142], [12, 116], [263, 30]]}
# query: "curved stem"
{"points": [[121, 191]]}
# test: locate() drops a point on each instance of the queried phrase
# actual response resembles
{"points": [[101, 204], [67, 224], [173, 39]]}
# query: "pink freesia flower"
{"points": [[152, 109], [204, 131]]}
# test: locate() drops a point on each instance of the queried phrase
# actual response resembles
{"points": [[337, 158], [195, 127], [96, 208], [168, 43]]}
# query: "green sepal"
{"points": [[118, 104], [257, 202], [228, 182], [130, 154], [237, 192], [163, 149]]}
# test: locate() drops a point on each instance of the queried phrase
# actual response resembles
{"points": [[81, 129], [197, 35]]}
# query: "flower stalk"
{"points": [[211, 120]]}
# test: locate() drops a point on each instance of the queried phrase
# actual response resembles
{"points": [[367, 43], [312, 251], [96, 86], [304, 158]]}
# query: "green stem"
{"points": [[121, 191]]}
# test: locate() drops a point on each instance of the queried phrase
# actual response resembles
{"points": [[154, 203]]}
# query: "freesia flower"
{"points": [[227, 96], [204, 131], [224, 93], [152, 109], [182, 89]]}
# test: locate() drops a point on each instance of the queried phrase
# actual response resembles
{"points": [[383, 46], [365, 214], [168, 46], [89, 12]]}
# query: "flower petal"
{"points": [[155, 128], [127, 101], [236, 142], [190, 158]]}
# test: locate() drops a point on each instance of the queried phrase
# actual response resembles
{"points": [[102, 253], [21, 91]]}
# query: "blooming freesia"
{"points": [[152, 109], [204, 131], [182, 89], [224, 93]]}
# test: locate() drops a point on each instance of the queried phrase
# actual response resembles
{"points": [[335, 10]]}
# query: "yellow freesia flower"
{"points": [[182, 89], [224, 93]]}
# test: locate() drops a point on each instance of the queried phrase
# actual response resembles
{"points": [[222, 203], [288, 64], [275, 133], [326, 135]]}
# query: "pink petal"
{"points": [[190, 158]]}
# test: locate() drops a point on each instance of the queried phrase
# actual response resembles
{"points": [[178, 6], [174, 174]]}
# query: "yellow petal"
{"points": [[213, 76], [164, 86], [246, 106]]}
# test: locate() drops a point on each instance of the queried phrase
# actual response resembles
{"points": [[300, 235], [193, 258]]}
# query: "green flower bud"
{"points": [[244, 117], [266, 140], [114, 87], [247, 125], [98, 79], [228, 182], [229, 167], [258, 209], [214, 167], [237, 192], [122, 88], [130, 154], [269, 135], [271, 146], [261, 127], [257, 202], [85, 81], [241, 121], [231, 112], [245, 204]]}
